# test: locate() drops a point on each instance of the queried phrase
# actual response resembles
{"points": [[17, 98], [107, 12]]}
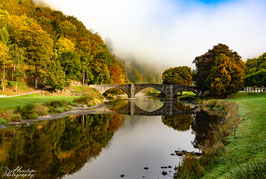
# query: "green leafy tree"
{"points": [[70, 62], [55, 76], [37, 44], [257, 79], [256, 73], [178, 76], [219, 71]]}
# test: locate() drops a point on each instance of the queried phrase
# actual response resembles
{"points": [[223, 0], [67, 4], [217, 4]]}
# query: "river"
{"points": [[109, 144]]}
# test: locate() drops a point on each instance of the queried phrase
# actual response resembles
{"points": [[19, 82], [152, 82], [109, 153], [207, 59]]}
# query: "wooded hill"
{"points": [[47, 48]]}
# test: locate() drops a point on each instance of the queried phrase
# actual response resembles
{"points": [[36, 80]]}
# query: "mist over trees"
{"points": [[47, 48], [137, 71]]}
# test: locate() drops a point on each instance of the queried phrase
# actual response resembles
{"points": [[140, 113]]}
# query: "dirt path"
{"points": [[4, 96]]}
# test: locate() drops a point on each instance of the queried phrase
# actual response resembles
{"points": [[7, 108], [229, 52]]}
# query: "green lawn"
{"points": [[247, 143], [12, 103]]}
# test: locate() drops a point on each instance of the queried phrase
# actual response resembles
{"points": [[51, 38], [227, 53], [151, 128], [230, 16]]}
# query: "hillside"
{"points": [[44, 47]]}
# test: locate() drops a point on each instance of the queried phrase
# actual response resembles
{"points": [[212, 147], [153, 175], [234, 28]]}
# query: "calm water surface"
{"points": [[105, 146]]}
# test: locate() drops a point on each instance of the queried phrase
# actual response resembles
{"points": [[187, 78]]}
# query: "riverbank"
{"points": [[17, 109], [233, 152]]}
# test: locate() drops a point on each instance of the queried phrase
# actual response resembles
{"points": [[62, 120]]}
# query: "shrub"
{"points": [[190, 168], [3, 121], [41, 110], [9, 115], [27, 112], [83, 100], [57, 104], [16, 118]]}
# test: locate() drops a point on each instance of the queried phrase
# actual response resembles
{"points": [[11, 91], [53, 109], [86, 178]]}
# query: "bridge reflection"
{"points": [[170, 108]]}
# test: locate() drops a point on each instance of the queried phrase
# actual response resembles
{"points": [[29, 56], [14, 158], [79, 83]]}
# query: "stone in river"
{"points": [[164, 173], [146, 168], [122, 176]]}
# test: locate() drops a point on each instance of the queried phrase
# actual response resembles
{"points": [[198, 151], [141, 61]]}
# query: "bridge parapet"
{"points": [[132, 89]]}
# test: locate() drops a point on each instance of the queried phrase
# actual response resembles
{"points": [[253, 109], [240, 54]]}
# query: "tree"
{"points": [[55, 76], [257, 79], [3, 16], [219, 71], [18, 63], [63, 45], [70, 62], [4, 62], [256, 73], [37, 44], [256, 64], [178, 76]]}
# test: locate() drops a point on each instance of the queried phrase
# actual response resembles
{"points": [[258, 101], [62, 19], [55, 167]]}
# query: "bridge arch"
{"points": [[138, 88], [105, 87], [185, 88]]}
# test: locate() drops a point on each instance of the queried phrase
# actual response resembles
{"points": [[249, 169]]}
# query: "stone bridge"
{"points": [[168, 109], [132, 89]]}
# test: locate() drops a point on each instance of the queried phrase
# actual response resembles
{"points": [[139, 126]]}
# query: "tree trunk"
{"points": [[16, 85], [36, 82], [83, 77], [4, 79]]}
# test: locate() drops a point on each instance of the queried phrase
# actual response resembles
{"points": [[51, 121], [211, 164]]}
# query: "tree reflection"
{"points": [[202, 126], [58, 147], [179, 122]]}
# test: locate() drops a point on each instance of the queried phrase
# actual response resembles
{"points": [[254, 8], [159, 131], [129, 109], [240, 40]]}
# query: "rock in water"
{"points": [[164, 173]]}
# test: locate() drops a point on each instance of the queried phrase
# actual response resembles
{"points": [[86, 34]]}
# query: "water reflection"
{"points": [[55, 148], [169, 108], [107, 145]]}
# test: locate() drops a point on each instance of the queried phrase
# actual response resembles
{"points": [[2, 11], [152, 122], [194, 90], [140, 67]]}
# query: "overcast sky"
{"points": [[173, 32]]}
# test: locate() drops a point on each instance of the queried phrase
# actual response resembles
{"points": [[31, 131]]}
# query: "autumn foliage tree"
{"points": [[178, 75], [45, 43], [38, 45], [219, 71], [4, 63]]}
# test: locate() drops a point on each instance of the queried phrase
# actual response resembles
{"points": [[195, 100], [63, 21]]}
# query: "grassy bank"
{"points": [[233, 152], [31, 106]]}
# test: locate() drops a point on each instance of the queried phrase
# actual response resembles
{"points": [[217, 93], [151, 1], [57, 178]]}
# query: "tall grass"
{"points": [[252, 170]]}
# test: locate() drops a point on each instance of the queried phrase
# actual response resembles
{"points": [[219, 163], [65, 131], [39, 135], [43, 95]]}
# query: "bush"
{"points": [[57, 106], [3, 121], [27, 112], [9, 115], [83, 100], [190, 168], [16, 118], [41, 110]]}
